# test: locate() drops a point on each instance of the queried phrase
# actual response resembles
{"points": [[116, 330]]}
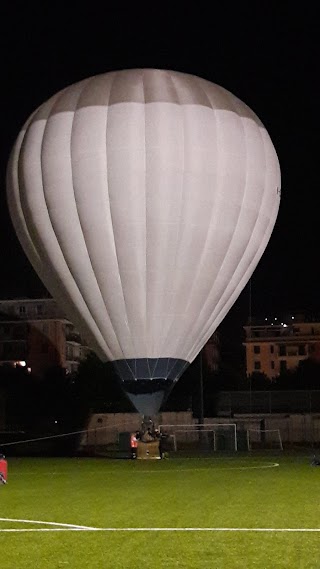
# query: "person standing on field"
{"points": [[134, 445], [3, 469]]}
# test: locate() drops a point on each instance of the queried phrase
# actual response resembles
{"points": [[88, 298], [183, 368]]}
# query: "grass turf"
{"points": [[223, 492]]}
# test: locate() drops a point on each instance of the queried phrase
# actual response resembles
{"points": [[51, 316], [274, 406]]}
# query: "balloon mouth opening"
{"points": [[147, 385], [149, 371], [148, 381]]}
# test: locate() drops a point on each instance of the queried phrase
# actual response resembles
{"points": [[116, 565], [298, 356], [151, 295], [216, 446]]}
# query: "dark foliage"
{"points": [[97, 385]]}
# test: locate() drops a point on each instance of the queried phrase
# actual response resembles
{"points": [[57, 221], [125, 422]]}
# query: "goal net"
{"points": [[205, 437], [259, 439]]}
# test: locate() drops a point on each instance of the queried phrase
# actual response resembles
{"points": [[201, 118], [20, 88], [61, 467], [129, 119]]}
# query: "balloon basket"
{"points": [[148, 450]]}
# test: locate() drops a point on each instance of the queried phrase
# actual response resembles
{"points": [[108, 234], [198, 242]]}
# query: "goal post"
{"points": [[264, 439], [212, 436], [205, 434]]}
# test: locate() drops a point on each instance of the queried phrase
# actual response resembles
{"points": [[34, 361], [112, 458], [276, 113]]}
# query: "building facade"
{"points": [[35, 333], [276, 345]]}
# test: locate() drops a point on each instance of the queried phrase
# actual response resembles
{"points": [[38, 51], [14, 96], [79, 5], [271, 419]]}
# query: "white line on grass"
{"points": [[79, 528], [61, 525], [213, 469], [29, 530], [165, 470]]}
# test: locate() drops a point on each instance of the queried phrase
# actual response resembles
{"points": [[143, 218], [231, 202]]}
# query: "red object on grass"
{"points": [[4, 468]]}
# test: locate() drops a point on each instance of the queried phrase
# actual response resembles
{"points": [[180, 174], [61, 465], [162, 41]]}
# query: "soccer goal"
{"points": [[203, 437], [268, 439]]}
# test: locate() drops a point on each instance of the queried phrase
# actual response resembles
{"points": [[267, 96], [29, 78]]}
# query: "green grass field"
{"points": [[163, 514]]}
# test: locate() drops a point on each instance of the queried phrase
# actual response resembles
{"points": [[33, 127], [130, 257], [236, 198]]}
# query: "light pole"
{"points": [[201, 410]]}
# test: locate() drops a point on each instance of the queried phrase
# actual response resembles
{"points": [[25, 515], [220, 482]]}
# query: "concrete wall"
{"points": [[103, 428], [295, 428]]}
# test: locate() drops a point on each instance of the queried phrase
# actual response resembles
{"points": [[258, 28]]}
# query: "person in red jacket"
{"points": [[3, 469], [134, 445]]}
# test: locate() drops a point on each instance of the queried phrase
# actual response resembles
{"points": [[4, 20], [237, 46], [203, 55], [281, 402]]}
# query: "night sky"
{"points": [[266, 53]]}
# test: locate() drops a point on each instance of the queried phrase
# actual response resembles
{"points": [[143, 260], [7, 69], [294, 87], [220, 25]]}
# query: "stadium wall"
{"points": [[103, 428]]}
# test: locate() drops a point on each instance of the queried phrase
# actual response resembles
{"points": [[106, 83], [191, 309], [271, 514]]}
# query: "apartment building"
{"points": [[274, 345], [35, 333]]}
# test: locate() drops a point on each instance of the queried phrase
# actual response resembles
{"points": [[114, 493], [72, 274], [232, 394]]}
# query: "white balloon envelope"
{"points": [[144, 200]]}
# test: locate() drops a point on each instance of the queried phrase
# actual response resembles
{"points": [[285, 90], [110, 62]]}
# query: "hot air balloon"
{"points": [[144, 200]]}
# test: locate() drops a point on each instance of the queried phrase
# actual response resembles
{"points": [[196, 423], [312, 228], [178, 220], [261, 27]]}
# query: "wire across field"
{"points": [[227, 512]]}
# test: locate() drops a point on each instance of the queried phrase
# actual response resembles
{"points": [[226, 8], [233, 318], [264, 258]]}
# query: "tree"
{"points": [[305, 376], [97, 387], [21, 394], [258, 381]]}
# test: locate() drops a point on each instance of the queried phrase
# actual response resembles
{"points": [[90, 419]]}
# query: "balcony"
{"points": [[73, 337]]}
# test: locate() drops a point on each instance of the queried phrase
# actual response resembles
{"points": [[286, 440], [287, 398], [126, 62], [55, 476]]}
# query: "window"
{"points": [[256, 349], [22, 309], [301, 350], [13, 350], [69, 353], [39, 309], [5, 328], [18, 332], [272, 365], [271, 349], [282, 350], [283, 366], [257, 365], [45, 328]]}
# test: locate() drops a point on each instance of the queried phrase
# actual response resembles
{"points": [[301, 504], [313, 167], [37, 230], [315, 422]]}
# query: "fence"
{"points": [[301, 429], [102, 432], [299, 401]]}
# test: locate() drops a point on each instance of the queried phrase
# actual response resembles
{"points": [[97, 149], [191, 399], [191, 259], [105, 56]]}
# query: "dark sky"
{"points": [[266, 53]]}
